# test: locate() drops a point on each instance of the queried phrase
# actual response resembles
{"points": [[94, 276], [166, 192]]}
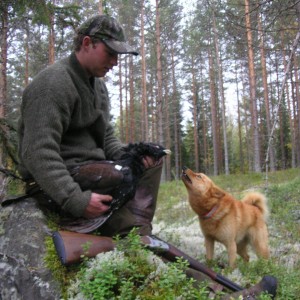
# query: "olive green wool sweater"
{"points": [[64, 122]]}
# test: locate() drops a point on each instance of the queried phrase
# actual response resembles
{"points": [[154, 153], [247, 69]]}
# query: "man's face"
{"points": [[100, 59]]}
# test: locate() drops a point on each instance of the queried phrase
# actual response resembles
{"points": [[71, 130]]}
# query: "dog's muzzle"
{"points": [[184, 176]]}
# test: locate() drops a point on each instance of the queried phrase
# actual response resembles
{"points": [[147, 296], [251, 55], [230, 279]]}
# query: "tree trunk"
{"points": [[206, 154], [121, 127], [144, 119], [26, 78], [159, 100], [3, 64], [280, 115], [252, 81], [294, 116], [214, 122], [195, 113], [247, 135], [167, 131], [131, 101], [51, 38], [297, 132], [174, 112], [127, 109], [242, 164], [203, 120], [152, 109], [287, 92], [3, 77], [158, 73], [297, 104], [266, 94], [221, 91], [100, 7]]}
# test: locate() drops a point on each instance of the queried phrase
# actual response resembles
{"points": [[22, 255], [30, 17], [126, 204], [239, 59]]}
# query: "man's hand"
{"points": [[150, 162], [98, 205]]}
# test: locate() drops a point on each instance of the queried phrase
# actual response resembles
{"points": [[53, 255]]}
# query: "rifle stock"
{"points": [[72, 246]]}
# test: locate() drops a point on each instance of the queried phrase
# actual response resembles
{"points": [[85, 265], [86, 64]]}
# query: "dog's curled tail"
{"points": [[258, 200]]}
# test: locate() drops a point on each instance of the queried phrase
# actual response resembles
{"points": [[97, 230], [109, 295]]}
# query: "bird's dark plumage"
{"points": [[118, 178], [134, 154]]}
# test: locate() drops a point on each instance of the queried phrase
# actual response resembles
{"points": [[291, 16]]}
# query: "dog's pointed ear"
{"points": [[217, 193]]}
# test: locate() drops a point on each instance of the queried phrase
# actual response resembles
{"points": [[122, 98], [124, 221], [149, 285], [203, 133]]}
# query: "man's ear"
{"points": [[87, 42]]}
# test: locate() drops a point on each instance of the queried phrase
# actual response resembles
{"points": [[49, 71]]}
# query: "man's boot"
{"points": [[267, 285], [143, 205]]}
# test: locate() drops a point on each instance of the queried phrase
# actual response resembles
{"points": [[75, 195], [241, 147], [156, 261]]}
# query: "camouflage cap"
{"points": [[108, 30]]}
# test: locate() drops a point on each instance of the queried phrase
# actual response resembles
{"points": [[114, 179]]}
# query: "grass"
{"points": [[176, 222]]}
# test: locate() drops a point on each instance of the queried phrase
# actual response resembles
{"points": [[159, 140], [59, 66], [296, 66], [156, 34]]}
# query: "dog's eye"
{"points": [[199, 176]]}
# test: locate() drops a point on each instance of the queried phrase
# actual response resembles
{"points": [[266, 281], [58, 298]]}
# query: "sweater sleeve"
{"points": [[113, 146], [44, 122]]}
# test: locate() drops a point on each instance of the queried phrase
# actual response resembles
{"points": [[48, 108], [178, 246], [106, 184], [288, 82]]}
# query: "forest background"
{"points": [[217, 82]]}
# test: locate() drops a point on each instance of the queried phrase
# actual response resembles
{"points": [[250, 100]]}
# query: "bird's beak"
{"points": [[167, 151]]}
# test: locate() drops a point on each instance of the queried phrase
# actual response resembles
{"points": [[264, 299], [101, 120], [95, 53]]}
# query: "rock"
{"points": [[23, 229]]}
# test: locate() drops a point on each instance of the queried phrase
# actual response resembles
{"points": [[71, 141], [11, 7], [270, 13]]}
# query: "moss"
{"points": [[62, 274], [15, 187]]}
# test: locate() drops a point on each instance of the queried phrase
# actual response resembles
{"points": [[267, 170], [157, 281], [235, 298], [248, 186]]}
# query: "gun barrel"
{"points": [[171, 253]]}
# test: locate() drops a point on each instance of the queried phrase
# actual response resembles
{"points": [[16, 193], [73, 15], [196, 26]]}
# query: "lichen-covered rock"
{"points": [[23, 229]]}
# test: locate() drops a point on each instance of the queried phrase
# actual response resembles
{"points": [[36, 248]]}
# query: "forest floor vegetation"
{"points": [[178, 224]]}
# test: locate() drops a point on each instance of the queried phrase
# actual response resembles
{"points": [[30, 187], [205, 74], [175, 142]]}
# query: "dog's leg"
{"points": [[209, 246], [242, 250], [232, 251]]}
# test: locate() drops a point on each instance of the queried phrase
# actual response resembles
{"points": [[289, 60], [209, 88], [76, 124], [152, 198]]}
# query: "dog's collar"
{"points": [[210, 213]]}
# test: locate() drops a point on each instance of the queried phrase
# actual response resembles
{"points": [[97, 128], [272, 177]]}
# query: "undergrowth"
{"points": [[284, 200], [61, 273], [288, 279], [133, 272]]}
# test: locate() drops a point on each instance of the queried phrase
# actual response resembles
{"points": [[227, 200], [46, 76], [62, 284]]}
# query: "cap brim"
{"points": [[120, 47]]}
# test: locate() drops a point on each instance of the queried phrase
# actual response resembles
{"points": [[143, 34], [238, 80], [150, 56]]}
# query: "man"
{"points": [[65, 123]]}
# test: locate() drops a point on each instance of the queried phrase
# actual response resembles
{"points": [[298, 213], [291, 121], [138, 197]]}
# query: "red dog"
{"points": [[226, 220]]}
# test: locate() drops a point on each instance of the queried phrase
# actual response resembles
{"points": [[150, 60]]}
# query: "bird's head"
{"points": [[147, 149]]}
